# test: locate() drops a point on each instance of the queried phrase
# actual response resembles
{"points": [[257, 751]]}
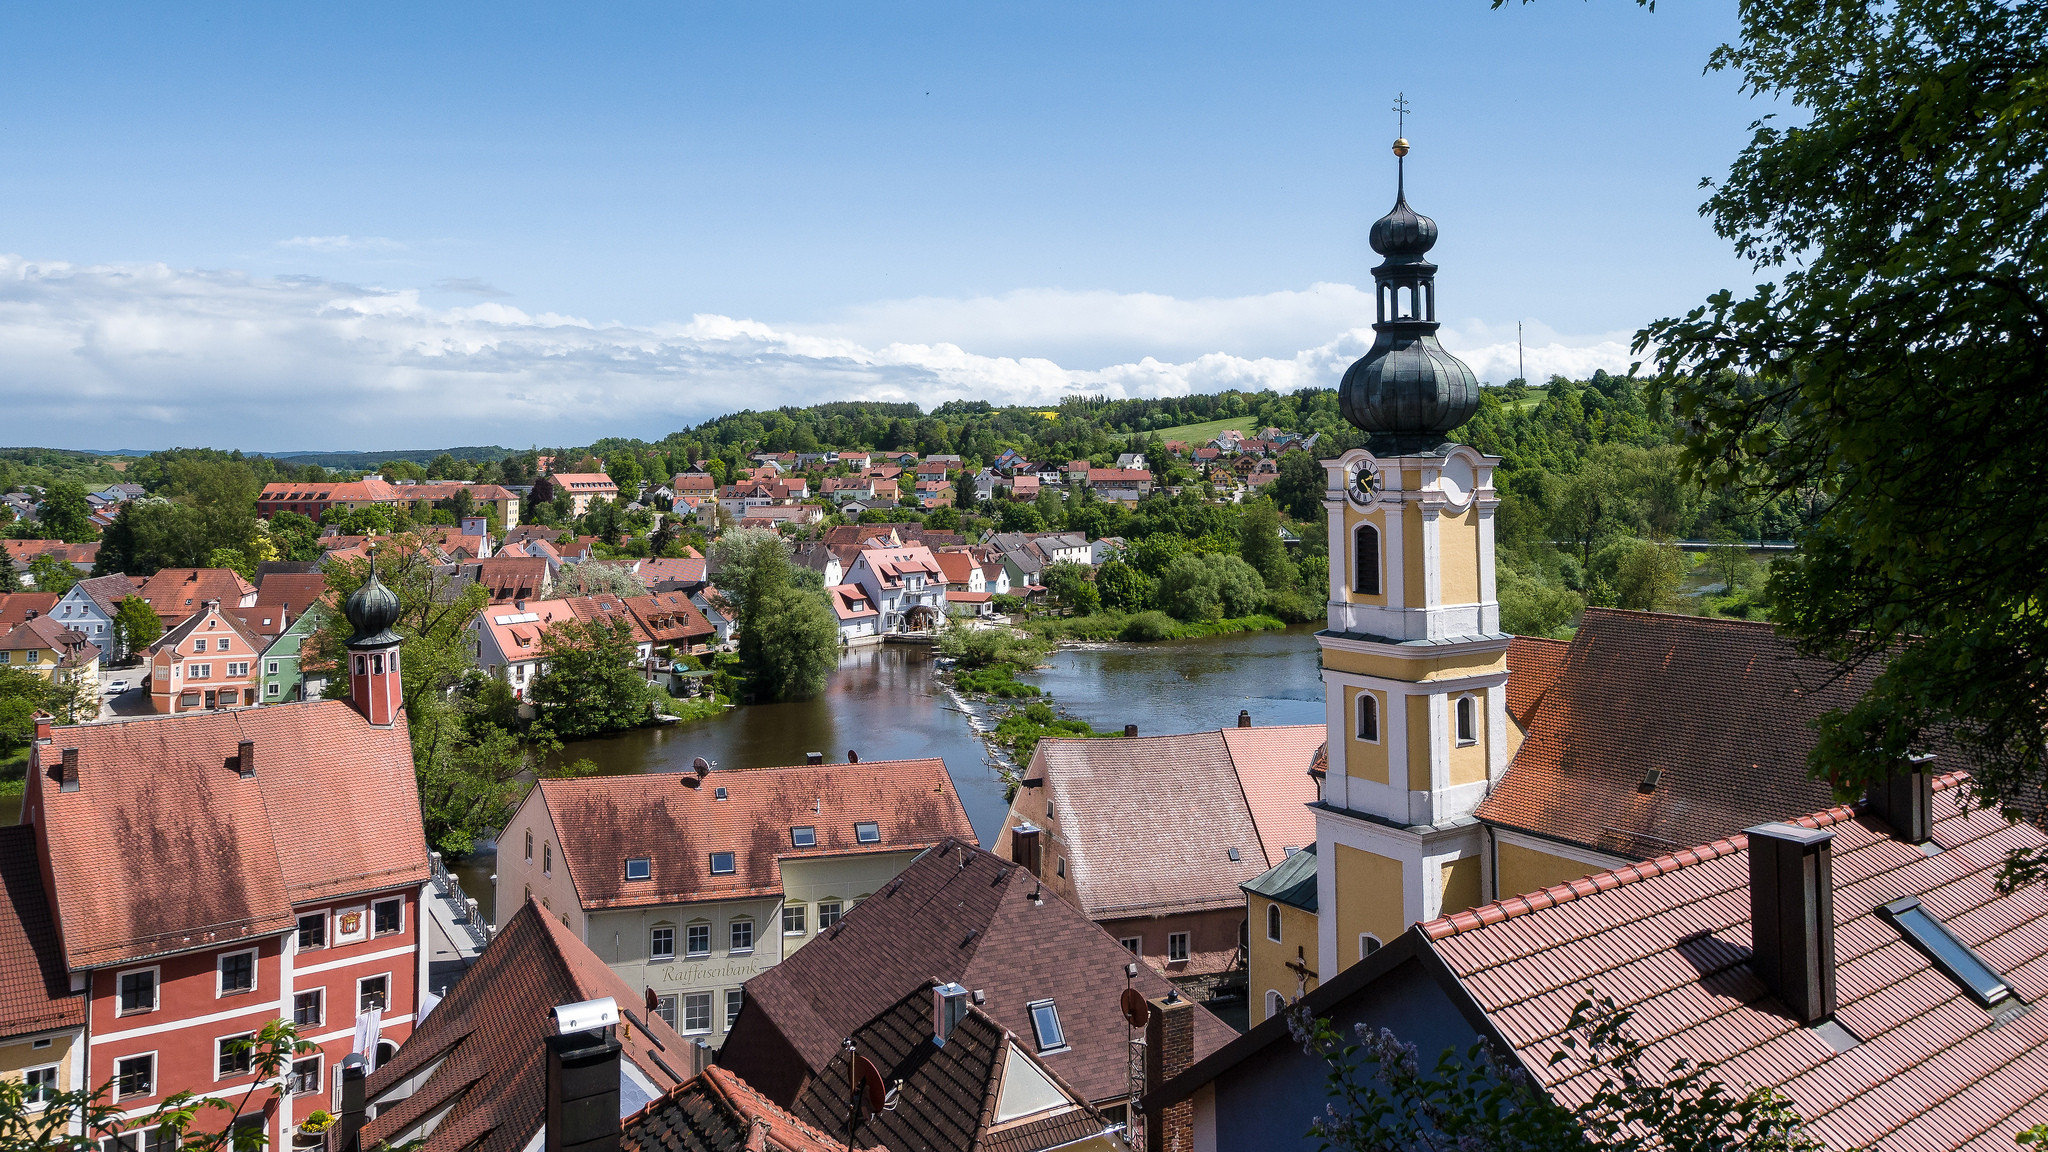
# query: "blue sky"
{"points": [[360, 226]]}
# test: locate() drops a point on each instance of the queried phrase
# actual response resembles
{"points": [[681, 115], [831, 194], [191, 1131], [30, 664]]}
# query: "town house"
{"points": [[505, 638], [906, 585], [176, 593], [580, 487], [689, 884], [207, 662], [48, 649], [42, 1017], [90, 607], [282, 878]]}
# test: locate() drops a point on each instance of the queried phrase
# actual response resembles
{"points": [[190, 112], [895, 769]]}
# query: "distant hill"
{"points": [[358, 461]]}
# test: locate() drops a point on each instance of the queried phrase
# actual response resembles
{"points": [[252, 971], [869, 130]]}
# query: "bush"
{"points": [[1147, 626], [1211, 587]]}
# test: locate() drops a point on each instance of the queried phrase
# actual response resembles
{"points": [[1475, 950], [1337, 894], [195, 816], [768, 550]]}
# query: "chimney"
{"points": [[43, 721], [1905, 800], [583, 1078], [814, 757], [1169, 1051], [700, 1057], [1792, 917], [67, 771], [245, 759], [1024, 846], [1130, 730], [1244, 717], [949, 1005], [519, 605], [355, 1074]]}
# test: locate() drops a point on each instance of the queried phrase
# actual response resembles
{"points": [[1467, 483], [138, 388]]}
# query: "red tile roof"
{"points": [[483, 1045], [670, 618], [294, 590], [1722, 708], [692, 482], [35, 987], [717, 1111], [176, 593], [15, 607], [23, 551], [955, 567], [685, 574], [956, 914], [1534, 664], [850, 602], [513, 577], [1670, 939], [206, 856], [604, 820], [1148, 824]]}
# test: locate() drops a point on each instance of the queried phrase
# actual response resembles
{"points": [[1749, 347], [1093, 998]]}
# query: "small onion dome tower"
{"points": [[1407, 391], [374, 687]]}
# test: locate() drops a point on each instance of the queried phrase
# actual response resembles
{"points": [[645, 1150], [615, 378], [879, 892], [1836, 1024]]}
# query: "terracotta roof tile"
{"points": [[669, 618], [1721, 708], [35, 988], [15, 607], [956, 914], [604, 820], [1533, 667], [1669, 938], [209, 856], [487, 1039], [1147, 824]]}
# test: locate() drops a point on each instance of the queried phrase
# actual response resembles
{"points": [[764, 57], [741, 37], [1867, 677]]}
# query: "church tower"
{"points": [[374, 686], [1414, 662]]}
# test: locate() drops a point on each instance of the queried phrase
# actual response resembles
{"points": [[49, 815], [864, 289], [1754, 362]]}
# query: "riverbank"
{"points": [[1143, 627]]}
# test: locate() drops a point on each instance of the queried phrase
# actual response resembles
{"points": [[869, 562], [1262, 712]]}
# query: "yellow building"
{"points": [[48, 649], [1281, 946], [42, 1020]]}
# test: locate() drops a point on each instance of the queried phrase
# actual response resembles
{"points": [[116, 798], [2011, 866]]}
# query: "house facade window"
{"points": [[1176, 947], [373, 992], [1468, 720], [661, 943], [1367, 944], [233, 1055], [742, 936], [529, 845], [1365, 560], [698, 937], [135, 1076], [1275, 1004], [828, 914], [793, 919], [1368, 717], [665, 1007], [237, 972], [41, 1084], [309, 1007], [734, 997], [1045, 1021], [1273, 923], [547, 859], [387, 917], [305, 1077], [696, 1012], [137, 991]]}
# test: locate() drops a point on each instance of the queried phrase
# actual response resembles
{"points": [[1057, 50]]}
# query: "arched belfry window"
{"points": [[1468, 720], [1368, 716], [1273, 922], [1365, 560]]}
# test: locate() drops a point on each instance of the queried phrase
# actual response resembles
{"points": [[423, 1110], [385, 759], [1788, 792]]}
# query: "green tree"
{"points": [[1384, 1098], [10, 580], [1644, 574], [1533, 607], [1889, 373], [592, 684], [233, 558], [1014, 516], [595, 577], [150, 534], [1259, 544], [1210, 587], [1122, 587], [52, 573], [89, 1120], [136, 624], [789, 639], [1069, 583], [1299, 490], [295, 536], [65, 514], [22, 695]]}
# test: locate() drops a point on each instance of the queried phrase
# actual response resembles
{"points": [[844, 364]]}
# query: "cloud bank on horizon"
{"points": [[146, 356]]}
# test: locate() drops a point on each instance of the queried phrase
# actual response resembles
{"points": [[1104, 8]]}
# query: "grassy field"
{"points": [[1198, 434]]}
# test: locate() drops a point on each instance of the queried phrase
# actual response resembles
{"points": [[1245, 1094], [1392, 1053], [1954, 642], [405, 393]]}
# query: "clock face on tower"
{"points": [[1365, 483]]}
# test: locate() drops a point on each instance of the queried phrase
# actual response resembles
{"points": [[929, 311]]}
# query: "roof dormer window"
{"points": [[803, 836], [867, 832]]}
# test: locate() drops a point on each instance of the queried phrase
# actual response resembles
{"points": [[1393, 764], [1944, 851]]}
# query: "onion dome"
{"points": [[371, 610], [1406, 391]]}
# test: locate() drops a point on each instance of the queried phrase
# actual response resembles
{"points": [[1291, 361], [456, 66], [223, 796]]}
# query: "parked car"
{"points": [[116, 687]]}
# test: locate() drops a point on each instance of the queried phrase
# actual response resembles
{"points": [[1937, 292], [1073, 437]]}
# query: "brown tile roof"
{"points": [[1148, 824], [35, 987], [512, 577], [607, 607], [176, 593], [679, 821], [686, 574], [1670, 938], [956, 914], [958, 567], [23, 551], [71, 645], [294, 590], [1721, 708], [719, 1112], [487, 1038], [1534, 664], [670, 618], [949, 1094], [206, 856], [105, 591], [15, 607]]}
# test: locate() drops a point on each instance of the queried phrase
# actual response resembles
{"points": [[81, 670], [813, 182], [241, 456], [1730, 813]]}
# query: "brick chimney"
{"points": [[1025, 847], [1244, 718], [1905, 800], [43, 721], [1792, 917], [1169, 1051], [67, 771], [245, 759]]}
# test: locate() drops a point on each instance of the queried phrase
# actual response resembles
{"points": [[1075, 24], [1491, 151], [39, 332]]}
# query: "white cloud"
{"points": [[147, 355], [343, 243]]}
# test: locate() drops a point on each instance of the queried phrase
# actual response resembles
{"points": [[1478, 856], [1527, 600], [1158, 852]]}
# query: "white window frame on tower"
{"points": [[1465, 717], [1368, 708]]}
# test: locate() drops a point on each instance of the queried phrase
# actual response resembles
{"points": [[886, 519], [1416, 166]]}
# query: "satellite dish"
{"points": [[874, 1095], [702, 766], [1136, 1010]]}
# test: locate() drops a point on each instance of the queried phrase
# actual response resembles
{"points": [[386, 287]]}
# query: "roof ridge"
{"points": [[1525, 903], [1639, 613]]}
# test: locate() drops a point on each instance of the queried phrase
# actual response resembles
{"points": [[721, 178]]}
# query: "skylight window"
{"points": [[720, 794], [867, 832], [639, 868], [1949, 954], [804, 836], [1045, 1020], [722, 864]]}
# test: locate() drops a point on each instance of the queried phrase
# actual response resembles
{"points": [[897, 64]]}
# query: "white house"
{"points": [[90, 606], [906, 585], [505, 638]]}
